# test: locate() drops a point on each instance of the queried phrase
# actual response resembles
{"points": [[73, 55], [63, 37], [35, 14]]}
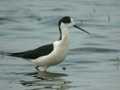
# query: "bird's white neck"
{"points": [[64, 35], [64, 32]]}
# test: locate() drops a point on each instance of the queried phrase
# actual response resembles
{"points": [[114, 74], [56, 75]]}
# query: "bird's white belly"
{"points": [[55, 57]]}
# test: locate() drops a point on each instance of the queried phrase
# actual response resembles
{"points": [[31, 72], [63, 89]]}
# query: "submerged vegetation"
{"points": [[118, 62]]}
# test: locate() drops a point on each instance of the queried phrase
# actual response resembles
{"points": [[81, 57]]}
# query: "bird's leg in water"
{"points": [[37, 68], [45, 69]]}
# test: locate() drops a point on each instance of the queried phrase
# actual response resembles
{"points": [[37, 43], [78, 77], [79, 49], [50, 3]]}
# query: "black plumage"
{"points": [[36, 53]]}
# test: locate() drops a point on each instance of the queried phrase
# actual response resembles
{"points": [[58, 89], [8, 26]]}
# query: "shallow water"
{"points": [[91, 63]]}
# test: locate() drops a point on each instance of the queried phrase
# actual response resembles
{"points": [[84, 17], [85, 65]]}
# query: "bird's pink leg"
{"points": [[37, 68], [45, 69]]}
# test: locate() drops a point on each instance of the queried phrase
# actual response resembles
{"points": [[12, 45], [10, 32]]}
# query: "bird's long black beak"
{"points": [[81, 29]]}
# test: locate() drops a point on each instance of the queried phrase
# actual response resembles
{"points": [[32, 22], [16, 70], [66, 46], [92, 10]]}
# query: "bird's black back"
{"points": [[33, 54]]}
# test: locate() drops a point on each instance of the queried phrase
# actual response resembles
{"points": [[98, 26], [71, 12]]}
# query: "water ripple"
{"points": [[47, 80], [4, 20], [94, 50]]}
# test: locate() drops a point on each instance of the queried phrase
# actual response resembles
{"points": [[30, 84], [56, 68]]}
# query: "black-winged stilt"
{"points": [[54, 53]]}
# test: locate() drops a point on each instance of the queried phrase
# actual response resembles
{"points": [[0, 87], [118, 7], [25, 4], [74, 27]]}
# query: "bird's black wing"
{"points": [[33, 54]]}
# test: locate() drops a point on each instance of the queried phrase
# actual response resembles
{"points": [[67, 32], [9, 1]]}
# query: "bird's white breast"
{"points": [[56, 56]]}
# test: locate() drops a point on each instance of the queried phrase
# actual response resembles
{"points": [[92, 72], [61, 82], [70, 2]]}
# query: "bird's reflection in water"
{"points": [[47, 80]]}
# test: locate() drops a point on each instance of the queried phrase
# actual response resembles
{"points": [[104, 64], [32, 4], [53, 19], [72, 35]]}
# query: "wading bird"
{"points": [[54, 53]]}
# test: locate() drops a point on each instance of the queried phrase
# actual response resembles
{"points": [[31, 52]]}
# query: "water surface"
{"points": [[91, 63]]}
